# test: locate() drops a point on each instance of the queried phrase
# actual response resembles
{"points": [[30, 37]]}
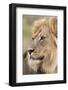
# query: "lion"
{"points": [[42, 51]]}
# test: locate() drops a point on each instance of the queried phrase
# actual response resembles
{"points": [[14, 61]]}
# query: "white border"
{"points": [[19, 24]]}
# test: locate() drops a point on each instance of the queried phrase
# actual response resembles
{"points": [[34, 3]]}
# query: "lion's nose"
{"points": [[30, 50]]}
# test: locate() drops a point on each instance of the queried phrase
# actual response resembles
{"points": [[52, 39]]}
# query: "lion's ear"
{"points": [[53, 25]]}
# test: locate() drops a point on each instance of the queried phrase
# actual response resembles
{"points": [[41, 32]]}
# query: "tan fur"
{"points": [[46, 47]]}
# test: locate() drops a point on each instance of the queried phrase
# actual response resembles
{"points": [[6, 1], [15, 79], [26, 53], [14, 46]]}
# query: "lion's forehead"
{"points": [[40, 24], [38, 27]]}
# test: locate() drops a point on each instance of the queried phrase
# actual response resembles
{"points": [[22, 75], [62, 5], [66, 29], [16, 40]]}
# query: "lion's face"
{"points": [[43, 43]]}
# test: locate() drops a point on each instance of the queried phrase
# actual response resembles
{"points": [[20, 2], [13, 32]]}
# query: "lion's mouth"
{"points": [[36, 58]]}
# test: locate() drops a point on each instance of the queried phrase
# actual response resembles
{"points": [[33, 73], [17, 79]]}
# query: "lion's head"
{"points": [[43, 47]]}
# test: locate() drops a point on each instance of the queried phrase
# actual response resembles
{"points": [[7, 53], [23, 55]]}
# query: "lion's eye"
{"points": [[42, 37]]}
